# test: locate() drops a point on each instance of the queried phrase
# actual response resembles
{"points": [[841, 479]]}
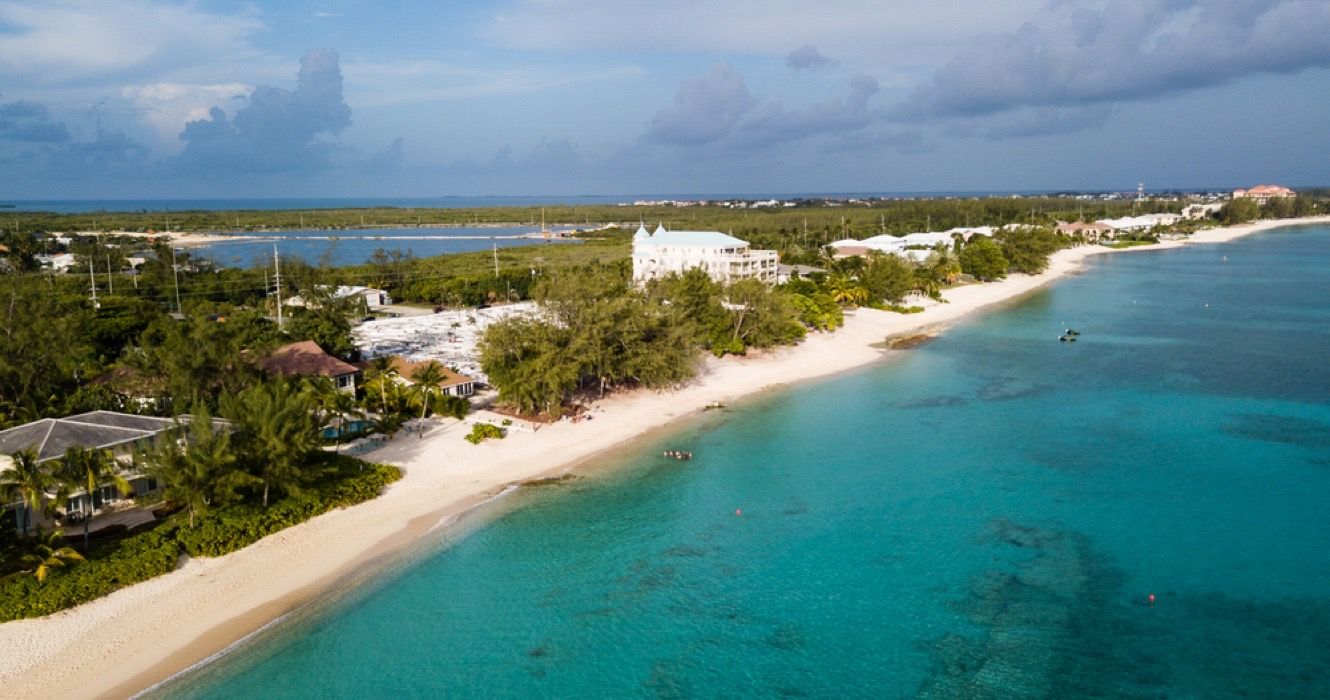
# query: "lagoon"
{"points": [[986, 515]]}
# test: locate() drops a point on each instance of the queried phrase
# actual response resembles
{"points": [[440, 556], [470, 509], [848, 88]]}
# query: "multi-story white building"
{"points": [[723, 257]]}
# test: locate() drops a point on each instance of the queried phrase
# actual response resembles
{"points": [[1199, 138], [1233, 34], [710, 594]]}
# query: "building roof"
{"points": [[407, 368], [700, 239], [1266, 190], [50, 437], [1084, 226], [305, 359]]}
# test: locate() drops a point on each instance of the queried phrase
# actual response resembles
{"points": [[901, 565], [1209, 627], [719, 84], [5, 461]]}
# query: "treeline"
{"points": [[1244, 209], [828, 218], [597, 332]]}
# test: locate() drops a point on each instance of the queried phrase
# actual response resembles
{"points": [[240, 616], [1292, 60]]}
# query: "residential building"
{"points": [[1201, 211], [1143, 222], [454, 383], [785, 273], [723, 257], [372, 297], [120, 433], [1264, 193], [60, 262], [1090, 231], [307, 359]]}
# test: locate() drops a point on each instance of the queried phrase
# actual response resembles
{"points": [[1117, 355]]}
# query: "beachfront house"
{"points": [[120, 433], [307, 359], [723, 257], [1137, 224], [1201, 211], [453, 383], [1264, 193], [913, 246], [1089, 230]]}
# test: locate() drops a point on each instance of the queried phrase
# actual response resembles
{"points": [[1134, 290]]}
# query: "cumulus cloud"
{"points": [[167, 107], [277, 129], [719, 109], [29, 122], [773, 123], [807, 57], [1082, 53], [705, 109]]}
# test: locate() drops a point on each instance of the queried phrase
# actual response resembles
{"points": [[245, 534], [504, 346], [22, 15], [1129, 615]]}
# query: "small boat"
{"points": [[1067, 338], [1072, 332]]}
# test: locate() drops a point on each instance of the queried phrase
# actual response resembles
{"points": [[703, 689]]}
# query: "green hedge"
{"points": [[132, 560], [155, 552], [226, 530]]}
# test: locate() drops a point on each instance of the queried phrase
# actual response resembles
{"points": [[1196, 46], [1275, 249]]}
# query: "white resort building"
{"points": [[723, 257]]}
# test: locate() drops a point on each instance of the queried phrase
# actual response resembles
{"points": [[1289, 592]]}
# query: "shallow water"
{"points": [[983, 518], [356, 246]]}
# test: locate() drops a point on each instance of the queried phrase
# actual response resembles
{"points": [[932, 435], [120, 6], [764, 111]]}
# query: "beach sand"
{"points": [[139, 636]]}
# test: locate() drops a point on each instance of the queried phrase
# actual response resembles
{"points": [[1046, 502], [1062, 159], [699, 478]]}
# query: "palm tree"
{"points": [[197, 470], [86, 469], [27, 480], [336, 404], [278, 427], [846, 291], [381, 369], [47, 555], [427, 378]]}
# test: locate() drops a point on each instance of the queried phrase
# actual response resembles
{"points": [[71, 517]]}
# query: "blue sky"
{"points": [[148, 98]]}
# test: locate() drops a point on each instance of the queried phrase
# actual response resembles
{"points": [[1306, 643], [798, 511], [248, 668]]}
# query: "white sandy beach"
{"points": [[136, 637]]}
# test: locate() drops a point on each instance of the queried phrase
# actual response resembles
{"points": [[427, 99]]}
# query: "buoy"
{"points": [[738, 511], [1152, 599]]}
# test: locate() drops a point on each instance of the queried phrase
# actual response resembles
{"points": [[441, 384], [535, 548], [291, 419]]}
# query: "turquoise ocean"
{"points": [[985, 516]]}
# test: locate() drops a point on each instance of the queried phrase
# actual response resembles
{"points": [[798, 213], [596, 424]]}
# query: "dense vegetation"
{"points": [[119, 561]]}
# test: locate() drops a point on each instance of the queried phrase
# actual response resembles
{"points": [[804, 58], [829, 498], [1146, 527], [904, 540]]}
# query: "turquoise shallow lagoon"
{"points": [[985, 517]]}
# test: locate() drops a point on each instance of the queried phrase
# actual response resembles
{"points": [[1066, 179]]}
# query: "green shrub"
{"points": [[142, 556], [484, 431], [132, 560]]}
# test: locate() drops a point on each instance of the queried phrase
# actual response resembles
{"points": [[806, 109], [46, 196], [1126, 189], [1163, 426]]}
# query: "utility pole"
{"points": [[277, 273], [496, 260], [93, 280], [175, 275], [110, 281]]}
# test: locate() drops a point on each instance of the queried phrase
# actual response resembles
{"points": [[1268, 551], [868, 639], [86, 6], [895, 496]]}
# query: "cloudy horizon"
{"points": [[147, 98]]}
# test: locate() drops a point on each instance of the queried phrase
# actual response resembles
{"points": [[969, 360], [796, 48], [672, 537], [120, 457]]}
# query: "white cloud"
{"points": [[62, 41], [167, 107], [1086, 53], [870, 33]]}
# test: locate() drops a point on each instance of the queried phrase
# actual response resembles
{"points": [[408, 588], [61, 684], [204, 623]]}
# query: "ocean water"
{"points": [[355, 246], [986, 516]]}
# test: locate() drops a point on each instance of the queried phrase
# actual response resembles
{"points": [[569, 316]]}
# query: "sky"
{"points": [[338, 98]]}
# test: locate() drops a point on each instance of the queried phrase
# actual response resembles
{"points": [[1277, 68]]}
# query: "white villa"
{"points": [[723, 257]]}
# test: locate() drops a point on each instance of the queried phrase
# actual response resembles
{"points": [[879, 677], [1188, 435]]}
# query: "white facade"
{"points": [[723, 257]]}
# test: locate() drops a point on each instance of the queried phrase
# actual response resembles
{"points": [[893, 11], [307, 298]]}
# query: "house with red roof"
{"points": [[307, 359]]}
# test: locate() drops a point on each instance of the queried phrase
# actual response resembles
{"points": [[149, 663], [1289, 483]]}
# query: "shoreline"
{"points": [[139, 636]]}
